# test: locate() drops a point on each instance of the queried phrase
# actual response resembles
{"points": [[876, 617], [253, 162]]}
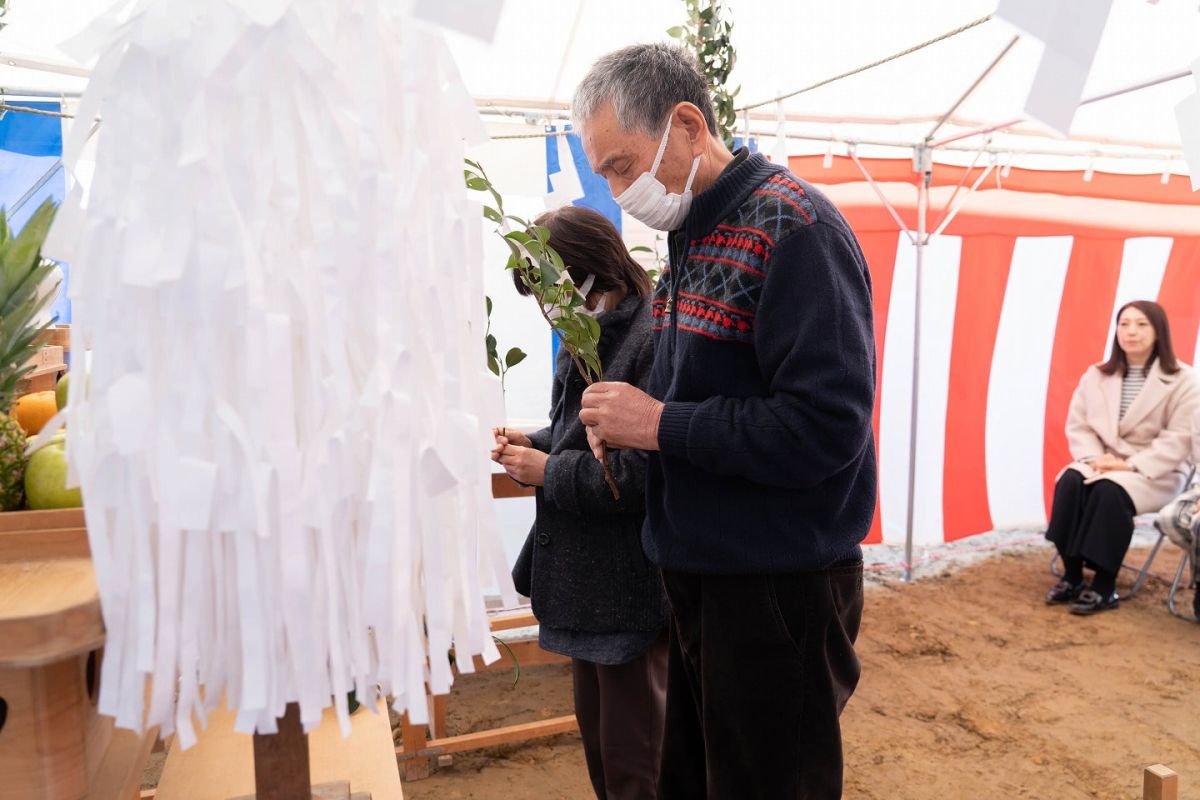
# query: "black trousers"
{"points": [[621, 711], [1091, 521], [761, 668]]}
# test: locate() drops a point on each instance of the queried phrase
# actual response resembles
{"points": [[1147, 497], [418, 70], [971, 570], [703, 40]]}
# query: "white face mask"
{"points": [[553, 311], [601, 307], [648, 200]]}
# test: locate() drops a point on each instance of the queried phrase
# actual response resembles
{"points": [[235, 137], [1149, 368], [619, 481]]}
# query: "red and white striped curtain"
{"points": [[1014, 309]]}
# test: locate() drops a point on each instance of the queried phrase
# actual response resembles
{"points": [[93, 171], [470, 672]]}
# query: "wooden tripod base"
{"points": [[281, 770]]}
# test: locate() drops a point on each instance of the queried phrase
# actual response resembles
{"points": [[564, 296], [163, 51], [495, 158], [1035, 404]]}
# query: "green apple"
{"points": [[46, 478], [60, 392]]}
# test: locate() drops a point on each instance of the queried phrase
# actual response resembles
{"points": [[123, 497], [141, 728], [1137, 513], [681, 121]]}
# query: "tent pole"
{"points": [[953, 210], [1135, 87], [923, 159], [970, 90], [882, 197]]}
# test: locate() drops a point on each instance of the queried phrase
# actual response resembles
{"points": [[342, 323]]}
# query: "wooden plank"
{"points": [[42, 520], [58, 335], [507, 622], [1160, 783], [221, 764], [49, 610], [504, 487], [44, 545], [492, 738]]}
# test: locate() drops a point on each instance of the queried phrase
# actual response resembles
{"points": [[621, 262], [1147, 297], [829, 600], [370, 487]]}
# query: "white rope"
{"points": [[907, 51]]}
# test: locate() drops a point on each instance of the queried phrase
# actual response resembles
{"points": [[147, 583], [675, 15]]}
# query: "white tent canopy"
{"points": [[542, 48]]}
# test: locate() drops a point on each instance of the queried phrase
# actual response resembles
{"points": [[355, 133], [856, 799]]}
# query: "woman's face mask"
{"points": [[553, 311]]}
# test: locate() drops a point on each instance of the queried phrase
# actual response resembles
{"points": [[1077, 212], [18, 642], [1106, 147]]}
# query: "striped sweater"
{"points": [[765, 360]]}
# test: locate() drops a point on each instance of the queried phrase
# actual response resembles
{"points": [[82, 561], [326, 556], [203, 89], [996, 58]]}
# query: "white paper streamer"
{"points": [[282, 440]]}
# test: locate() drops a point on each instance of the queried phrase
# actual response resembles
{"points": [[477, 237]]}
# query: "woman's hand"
{"points": [[523, 464], [1110, 463], [507, 436], [511, 436]]}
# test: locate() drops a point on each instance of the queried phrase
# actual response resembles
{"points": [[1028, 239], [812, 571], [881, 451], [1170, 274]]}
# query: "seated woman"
{"points": [[596, 596], [1180, 520], [1129, 430]]}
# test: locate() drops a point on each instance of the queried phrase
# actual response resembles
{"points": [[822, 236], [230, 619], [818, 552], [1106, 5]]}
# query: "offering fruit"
{"points": [[46, 478], [23, 275], [32, 411], [60, 392]]}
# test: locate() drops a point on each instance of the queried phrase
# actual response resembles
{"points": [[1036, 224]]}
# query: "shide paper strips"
{"points": [[1071, 31], [1188, 115], [282, 439]]}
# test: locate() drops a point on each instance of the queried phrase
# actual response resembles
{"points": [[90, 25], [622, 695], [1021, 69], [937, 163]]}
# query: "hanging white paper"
{"points": [[1071, 31], [1188, 115], [283, 438], [477, 18]]}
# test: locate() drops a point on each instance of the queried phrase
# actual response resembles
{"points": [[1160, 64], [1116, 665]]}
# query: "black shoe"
{"points": [[1063, 592], [1092, 602]]}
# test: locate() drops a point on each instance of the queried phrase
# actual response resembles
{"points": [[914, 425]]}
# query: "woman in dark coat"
{"points": [[596, 596]]}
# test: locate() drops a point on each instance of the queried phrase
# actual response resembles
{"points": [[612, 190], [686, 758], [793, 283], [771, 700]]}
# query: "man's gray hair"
{"points": [[643, 82]]}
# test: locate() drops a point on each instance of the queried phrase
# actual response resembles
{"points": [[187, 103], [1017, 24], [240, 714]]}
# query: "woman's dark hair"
{"points": [[590, 245], [1163, 352]]}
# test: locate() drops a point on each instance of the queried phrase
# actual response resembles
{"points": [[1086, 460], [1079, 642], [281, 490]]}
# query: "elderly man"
{"points": [[761, 480]]}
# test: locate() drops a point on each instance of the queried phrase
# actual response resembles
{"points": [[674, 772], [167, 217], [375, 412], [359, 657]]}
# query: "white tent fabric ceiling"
{"points": [[543, 47]]}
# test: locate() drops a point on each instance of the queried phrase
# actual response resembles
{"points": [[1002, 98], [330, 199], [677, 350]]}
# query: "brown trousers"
{"points": [[621, 711]]}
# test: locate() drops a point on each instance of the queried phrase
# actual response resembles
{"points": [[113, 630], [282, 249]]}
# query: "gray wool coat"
{"points": [[582, 564]]}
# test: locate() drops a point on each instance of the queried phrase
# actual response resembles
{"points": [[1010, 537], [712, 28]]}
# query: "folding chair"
{"points": [[1189, 559], [1141, 571], [1144, 569]]}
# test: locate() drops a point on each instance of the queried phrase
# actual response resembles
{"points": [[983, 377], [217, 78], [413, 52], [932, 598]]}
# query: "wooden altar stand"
{"points": [[53, 744]]}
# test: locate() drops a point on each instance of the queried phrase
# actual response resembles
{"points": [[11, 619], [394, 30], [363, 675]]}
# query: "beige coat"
{"points": [[1155, 436]]}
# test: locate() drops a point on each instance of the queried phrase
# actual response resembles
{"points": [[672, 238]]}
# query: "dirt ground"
{"points": [[972, 688]]}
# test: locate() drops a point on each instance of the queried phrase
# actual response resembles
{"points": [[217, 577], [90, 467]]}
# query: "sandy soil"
{"points": [[972, 688]]}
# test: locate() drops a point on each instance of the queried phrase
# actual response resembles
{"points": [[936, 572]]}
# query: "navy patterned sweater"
{"points": [[765, 360]]}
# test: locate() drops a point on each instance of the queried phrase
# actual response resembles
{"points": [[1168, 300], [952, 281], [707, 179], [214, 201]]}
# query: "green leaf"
{"points": [[488, 302], [490, 341], [477, 184], [593, 327], [675, 32], [493, 365], [641, 248], [492, 214], [513, 357], [521, 237]]}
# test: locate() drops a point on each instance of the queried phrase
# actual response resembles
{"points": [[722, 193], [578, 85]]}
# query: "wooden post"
{"points": [[1160, 783], [281, 760], [414, 768]]}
